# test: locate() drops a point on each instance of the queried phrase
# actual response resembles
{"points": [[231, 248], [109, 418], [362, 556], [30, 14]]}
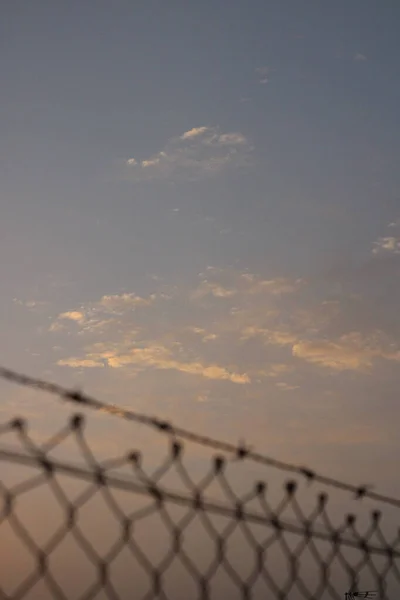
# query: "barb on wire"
{"points": [[240, 452]]}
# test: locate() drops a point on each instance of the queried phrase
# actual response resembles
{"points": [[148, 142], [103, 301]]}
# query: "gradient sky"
{"points": [[200, 220], [200, 217]]}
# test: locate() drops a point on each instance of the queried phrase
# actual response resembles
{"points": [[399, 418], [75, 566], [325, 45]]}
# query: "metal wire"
{"points": [[264, 529], [240, 452]]}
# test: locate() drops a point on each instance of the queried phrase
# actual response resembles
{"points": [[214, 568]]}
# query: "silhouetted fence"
{"points": [[113, 529]]}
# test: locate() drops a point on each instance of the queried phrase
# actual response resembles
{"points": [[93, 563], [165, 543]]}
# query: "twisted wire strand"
{"points": [[240, 452]]}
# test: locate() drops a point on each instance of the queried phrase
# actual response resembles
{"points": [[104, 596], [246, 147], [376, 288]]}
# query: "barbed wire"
{"points": [[236, 510], [240, 452], [37, 455]]}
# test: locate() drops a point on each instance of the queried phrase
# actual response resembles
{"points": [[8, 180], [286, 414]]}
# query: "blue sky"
{"points": [[200, 204], [200, 220]]}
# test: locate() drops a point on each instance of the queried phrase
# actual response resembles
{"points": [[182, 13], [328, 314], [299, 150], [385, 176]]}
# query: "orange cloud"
{"points": [[73, 315], [158, 357], [194, 132], [349, 352]]}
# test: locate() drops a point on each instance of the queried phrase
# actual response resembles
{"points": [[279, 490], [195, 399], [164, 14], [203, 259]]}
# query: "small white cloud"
{"points": [[389, 244], [192, 133], [263, 73], [199, 152], [149, 163], [359, 56]]}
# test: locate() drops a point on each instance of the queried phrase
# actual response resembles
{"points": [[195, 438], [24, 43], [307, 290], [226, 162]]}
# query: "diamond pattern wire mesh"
{"points": [[112, 529]]}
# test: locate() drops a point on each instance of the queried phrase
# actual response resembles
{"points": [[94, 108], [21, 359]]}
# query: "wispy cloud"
{"points": [[350, 352], [118, 303], [243, 284], [198, 152], [154, 357], [80, 363], [286, 387], [232, 326], [263, 74], [209, 288], [192, 133], [359, 57], [32, 305], [388, 244], [97, 316], [276, 286]]}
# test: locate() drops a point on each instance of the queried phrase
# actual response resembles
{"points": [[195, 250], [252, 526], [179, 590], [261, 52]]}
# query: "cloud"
{"points": [[97, 316], [152, 162], [276, 286], [155, 356], [263, 72], [233, 326], [206, 337], [198, 152], [286, 387], [270, 336], [244, 284], [192, 133], [231, 139], [118, 303], [389, 244], [157, 337], [80, 363], [349, 352], [359, 57], [31, 305], [209, 337], [207, 288], [73, 315], [275, 370]]}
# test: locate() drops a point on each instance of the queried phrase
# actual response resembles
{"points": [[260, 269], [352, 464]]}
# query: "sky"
{"points": [[200, 219]]}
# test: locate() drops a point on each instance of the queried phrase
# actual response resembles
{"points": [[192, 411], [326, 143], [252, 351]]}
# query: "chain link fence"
{"points": [[96, 529]]}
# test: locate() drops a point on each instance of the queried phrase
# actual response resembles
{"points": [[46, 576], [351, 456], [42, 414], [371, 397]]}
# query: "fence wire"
{"points": [[240, 452], [113, 529]]}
